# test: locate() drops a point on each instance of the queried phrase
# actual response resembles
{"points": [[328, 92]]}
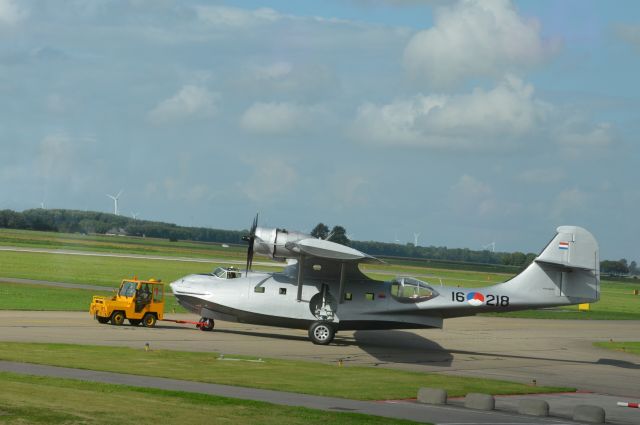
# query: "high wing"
{"points": [[328, 250], [321, 258]]}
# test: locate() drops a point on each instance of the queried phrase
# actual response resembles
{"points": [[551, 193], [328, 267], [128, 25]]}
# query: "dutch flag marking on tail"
{"points": [[563, 245]]}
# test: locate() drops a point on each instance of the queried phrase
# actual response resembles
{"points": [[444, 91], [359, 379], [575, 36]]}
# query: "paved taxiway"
{"points": [[552, 352]]}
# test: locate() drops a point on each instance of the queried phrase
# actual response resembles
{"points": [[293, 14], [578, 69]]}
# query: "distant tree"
{"points": [[616, 268], [339, 235], [321, 231], [633, 268]]}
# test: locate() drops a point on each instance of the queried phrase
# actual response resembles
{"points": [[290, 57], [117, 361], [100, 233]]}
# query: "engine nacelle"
{"points": [[271, 242]]}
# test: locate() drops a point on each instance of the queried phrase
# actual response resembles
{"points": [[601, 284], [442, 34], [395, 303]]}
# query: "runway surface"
{"points": [[553, 352]]}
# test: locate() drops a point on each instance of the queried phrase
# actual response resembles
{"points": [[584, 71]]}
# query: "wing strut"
{"points": [[300, 267], [342, 273]]}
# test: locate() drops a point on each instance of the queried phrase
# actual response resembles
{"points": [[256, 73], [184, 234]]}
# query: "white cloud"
{"points": [[471, 196], [479, 120], [542, 175], [232, 17], [598, 136], [474, 38], [62, 159], [279, 118], [57, 155], [568, 203], [178, 189], [11, 13], [272, 178], [273, 71], [629, 33], [189, 103]]}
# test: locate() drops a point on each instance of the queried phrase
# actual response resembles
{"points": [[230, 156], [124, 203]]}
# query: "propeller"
{"points": [[251, 238]]}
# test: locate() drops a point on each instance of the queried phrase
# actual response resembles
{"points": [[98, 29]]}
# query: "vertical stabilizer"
{"points": [[567, 271]]}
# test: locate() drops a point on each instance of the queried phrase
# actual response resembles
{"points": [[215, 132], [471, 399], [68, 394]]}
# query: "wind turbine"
{"points": [[415, 239], [491, 245], [115, 201]]}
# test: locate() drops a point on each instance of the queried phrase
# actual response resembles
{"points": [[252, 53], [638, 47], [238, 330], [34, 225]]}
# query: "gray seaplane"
{"points": [[324, 291]]}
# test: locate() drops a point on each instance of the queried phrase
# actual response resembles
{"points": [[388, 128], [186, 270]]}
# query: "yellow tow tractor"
{"points": [[139, 301]]}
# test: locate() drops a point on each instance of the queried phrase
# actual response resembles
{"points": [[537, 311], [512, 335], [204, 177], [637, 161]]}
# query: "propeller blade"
{"points": [[251, 238], [249, 256]]}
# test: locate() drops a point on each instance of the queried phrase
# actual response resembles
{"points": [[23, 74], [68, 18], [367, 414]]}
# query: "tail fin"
{"points": [[567, 271]]}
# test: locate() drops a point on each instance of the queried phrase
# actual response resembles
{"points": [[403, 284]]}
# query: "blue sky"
{"points": [[468, 122]]}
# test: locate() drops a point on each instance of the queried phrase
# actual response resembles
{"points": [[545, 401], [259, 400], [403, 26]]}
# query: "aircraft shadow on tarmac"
{"points": [[385, 346], [397, 346]]}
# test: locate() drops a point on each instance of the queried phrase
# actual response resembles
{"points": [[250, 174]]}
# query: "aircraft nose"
{"points": [[177, 285]]}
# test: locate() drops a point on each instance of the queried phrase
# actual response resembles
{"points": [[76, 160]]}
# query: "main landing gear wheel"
{"points": [[149, 320], [321, 333], [117, 318], [208, 324]]}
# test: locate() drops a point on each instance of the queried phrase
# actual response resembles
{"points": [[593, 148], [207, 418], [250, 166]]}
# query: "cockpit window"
{"points": [[227, 273], [220, 272], [408, 289]]}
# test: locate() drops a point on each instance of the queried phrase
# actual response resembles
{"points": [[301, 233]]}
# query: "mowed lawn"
{"points": [[118, 244], [625, 347], [31, 400], [617, 299], [104, 271], [617, 302], [14, 296], [353, 382]]}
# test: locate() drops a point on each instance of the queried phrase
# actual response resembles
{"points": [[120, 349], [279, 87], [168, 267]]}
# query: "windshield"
{"points": [[408, 289], [220, 272], [128, 289]]}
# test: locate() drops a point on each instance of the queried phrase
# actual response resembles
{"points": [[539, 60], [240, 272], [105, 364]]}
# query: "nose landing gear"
{"points": [[205, 324]]}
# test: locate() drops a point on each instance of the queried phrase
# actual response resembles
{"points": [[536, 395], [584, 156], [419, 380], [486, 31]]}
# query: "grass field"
{"points": [[32, 400], [626, 347], [15, 296], [104, 271], [617, 301], [363, 383], [119, 244]]}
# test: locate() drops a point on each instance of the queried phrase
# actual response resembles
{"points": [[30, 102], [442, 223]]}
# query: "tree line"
{"points": [[73, 221]]}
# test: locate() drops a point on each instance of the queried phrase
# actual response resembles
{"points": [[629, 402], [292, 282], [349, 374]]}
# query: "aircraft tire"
{"points": [[117, 318], [321, 333], [208, 326], [149, 320]]}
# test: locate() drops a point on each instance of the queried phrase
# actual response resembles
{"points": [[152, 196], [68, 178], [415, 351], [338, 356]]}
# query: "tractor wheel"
{"points": [[149, 320], [321, 333], [102, 320], [208, 324], [117, 318], [135, 322]]}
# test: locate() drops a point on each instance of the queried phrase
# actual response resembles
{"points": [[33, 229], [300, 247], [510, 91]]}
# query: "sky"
{"points": [[468, 122]]}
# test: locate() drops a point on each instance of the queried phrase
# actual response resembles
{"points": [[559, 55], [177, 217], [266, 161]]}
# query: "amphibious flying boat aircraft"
{"points": [[324, 291]]}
